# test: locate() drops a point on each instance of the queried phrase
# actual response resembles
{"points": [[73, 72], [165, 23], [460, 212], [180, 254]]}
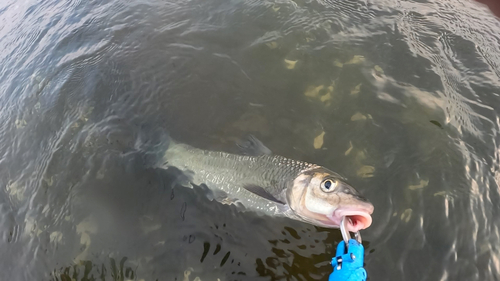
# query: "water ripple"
{"points": [[407, 90]]}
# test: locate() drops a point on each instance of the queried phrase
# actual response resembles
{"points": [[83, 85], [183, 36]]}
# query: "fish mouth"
{"points": [[358, 218]]}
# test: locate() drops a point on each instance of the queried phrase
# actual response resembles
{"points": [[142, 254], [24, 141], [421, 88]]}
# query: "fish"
{"points": [[271, 184]]}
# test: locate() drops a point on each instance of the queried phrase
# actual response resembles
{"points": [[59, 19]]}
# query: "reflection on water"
{"points": [[401, 97], [84, 271]]}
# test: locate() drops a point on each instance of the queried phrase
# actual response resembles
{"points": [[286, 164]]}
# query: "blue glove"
{"points": [[348, 264]]}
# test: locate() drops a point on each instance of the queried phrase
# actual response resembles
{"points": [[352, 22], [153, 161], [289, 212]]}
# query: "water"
{"points": [[405, 92]]}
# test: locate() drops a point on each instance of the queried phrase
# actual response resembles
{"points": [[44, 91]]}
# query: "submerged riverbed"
{"points": [[401, 97]]}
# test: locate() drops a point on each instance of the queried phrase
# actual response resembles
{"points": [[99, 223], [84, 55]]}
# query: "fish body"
{"points": [[273, 184]]}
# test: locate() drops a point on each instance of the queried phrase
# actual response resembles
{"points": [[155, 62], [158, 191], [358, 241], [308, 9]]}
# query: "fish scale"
{"points": [[230, 172]]}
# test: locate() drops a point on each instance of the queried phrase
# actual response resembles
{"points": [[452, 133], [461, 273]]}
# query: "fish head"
{"points": [[322, 197]]}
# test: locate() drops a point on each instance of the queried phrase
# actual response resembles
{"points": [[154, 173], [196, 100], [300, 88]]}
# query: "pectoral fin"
{"points": [[262, 193], [253, 147]]}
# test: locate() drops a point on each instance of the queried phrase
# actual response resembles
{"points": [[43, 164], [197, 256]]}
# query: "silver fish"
{"points": [[274, 185]]}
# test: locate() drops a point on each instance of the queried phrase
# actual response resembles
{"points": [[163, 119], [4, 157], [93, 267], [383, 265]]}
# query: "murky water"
{"points": [[405, 95]]}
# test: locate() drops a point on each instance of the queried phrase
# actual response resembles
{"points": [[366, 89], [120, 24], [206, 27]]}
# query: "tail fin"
{"points": [[173, 151]]}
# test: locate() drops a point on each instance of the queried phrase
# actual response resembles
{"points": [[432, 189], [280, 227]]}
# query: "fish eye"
{"points": [[328, 185]]}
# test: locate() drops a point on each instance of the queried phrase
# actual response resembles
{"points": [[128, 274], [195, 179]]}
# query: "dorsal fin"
{"points": [[250, 145]]}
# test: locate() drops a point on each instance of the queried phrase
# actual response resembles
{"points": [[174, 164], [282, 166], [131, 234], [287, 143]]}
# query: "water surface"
{"points": [[405, 95]]}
